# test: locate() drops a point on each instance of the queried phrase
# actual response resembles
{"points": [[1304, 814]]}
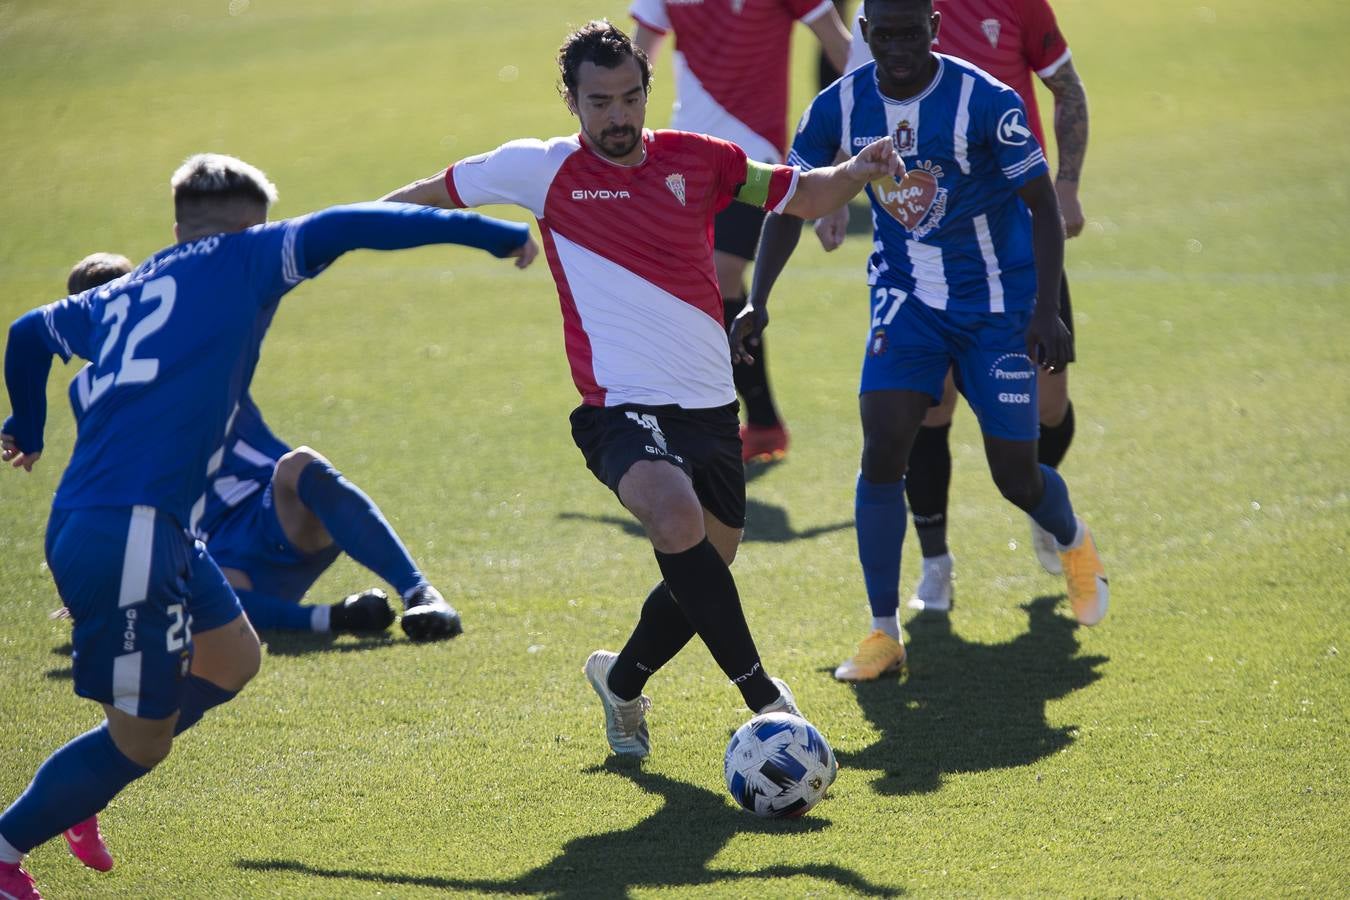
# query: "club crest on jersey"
{"points": [[991, 28], [877, 343], [904, 138], [917, 201], [675, 181]]}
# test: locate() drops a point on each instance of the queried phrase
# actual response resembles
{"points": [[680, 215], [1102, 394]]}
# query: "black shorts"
{"points": [[736, 230], [705, 443]]}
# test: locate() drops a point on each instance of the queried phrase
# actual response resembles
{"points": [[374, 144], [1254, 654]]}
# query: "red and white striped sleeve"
{"points": [[651, 14], [516, 173]]}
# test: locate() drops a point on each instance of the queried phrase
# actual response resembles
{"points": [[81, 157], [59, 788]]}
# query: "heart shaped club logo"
{"points": [[909, 199]]}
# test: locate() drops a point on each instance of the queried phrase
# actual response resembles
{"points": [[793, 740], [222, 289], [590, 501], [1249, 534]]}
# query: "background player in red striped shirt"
{"points": [[731, 81], [1012, 40], [626, 217]]}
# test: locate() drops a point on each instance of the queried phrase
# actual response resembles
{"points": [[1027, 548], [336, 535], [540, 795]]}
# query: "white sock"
{"points": [[888, 624], [8, 854], [320, 618]]}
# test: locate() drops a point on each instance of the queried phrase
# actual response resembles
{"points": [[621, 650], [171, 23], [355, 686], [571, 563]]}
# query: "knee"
{"points": [[674, 524], [884, 456], [289, 468], [229, 656], [1021, 486], [247, 664], [149, 753], [144, 742]]}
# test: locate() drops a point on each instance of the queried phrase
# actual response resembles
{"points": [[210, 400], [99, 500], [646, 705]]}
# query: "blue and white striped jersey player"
{"points": [[966, 274], [172, 346], [275, 518]]}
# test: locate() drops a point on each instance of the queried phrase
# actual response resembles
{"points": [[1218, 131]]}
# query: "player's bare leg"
{"points": [[1054, 408], [694, 550], [927, 486], [764, 437], [318, 507], [224, 660], [1040, 492], [890, 422], [697, 595]]}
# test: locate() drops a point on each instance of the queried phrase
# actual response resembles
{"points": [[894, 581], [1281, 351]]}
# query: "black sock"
{"points": [[661, 632], [703, 587], [1055, 440], [926, 486], [752, 379]]}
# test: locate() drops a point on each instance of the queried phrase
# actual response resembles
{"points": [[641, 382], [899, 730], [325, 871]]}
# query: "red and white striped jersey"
{"points": [[1009, 39], [731, 66], [630, 248]]}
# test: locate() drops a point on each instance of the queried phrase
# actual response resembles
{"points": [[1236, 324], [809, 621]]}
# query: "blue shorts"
{"points": [[911, 346], [211, 601], [252, 540], [125, 574]]}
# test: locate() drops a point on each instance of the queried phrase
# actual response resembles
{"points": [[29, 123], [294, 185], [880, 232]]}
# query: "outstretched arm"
{"points": [[431, 191], [28, 362], [824, 190], [777, 241], [1071, 138], [395, 226]]}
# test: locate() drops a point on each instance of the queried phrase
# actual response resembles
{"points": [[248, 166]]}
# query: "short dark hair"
{"points": [[96, 269], [601, 43], [212, 178]]}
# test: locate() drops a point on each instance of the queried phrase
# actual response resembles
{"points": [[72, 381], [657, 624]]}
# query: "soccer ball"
{"points": [[779, 766]]}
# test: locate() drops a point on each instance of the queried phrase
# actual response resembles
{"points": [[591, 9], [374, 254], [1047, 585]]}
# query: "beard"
{"points": [[617, 142]]}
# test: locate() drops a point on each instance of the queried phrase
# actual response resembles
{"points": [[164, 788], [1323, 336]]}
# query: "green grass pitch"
{"points": [[1194, 744]]}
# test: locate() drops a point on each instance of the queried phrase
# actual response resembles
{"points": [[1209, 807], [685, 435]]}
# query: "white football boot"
{"points": [[625, 720], [933, 594]]}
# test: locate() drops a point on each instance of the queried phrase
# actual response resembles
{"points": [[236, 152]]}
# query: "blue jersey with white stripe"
{"points": [[240, 472], [172, 347], [954, 233]]}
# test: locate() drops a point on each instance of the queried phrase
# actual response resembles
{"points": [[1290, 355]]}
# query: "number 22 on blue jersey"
{"points": [[151, 311]]}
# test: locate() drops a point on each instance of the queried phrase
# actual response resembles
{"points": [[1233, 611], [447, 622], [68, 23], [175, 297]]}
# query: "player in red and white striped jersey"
{"points": [[1012, 40], [626, 216], [731, 81]]}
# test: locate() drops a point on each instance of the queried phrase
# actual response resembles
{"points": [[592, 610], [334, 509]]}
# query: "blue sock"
{"points": [[272, 613], [879, 516], [357, 526], [73, 784], [1055, 513], [199, 695]]}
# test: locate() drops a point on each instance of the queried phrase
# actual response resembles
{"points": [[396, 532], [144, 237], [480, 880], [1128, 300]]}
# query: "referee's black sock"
{"points": [[1055, 440], [661, 632], [703, 587], [752, 379], [926, 486]]}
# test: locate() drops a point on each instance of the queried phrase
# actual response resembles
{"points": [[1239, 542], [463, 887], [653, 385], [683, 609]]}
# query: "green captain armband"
{"points": [[758, 177]]}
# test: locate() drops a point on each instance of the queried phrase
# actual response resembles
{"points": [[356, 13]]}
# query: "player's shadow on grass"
{"points": [[62, 672], [970, 707], [670, 848], [763, 521], [303, 643]]}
